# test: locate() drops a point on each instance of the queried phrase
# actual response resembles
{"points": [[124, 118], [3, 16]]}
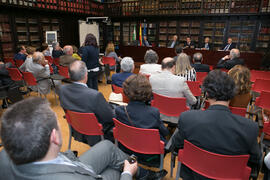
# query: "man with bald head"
{"points": [[168, 84], [78, 97], [67, 58], [231, 60]]}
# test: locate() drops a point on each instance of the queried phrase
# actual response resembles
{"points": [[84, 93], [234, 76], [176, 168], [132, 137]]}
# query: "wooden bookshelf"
{"points": [[6, 42], [189, 29], [116, 33], [265, 6], [263, 38]]}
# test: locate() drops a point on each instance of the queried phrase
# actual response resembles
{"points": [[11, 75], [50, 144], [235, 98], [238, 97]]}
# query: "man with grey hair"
{"points": [[127, 67], [150, 66], [57, 50], [39, 67], [231, 60], [67, 58], [78, 97], [198, 66]]}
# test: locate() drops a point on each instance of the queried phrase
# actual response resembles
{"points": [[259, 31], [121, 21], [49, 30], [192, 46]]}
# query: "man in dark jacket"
{"points": [[231, 60], [216, 129], [198, 66]]}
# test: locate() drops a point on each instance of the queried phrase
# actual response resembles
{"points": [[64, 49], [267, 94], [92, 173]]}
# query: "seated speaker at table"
{"points": [[229, 45]]}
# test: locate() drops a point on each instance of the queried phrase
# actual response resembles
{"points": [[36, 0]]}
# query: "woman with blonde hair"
{"points": [[184, 69], [241, 76], [109, 52]]}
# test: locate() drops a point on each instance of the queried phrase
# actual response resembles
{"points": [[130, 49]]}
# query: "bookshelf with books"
{"points": [[265, 6], [189, 29], [263, 38], [190, 6], [163, 31], [216, 31], [245, 6], [130, 8], [116, 33], [152, 33], [148, 7], [128, 32], [167, 7], [7, 46], [216, 7], [22, 33]]}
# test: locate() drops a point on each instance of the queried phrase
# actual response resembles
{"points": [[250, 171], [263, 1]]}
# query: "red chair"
{"points": [[261, 85], [49, 58], [212, 165], [239, 111], [108, 60], [15, 74], [169, 106], [6, 60], [84, 123], [56, 61], [144, 141], [194, 87], [259, 75], [200, 76], [30, 79], [63, 71], [18, 62], [263, 101], [117, 90]]}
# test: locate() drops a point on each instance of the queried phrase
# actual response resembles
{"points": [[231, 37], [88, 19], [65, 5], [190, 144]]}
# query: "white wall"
{"points": [[84, 29]]}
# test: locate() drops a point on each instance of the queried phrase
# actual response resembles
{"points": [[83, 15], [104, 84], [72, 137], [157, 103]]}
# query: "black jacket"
{"points": [[175, 44], [217, 130], [191, 45], [228, 64], [201, 67], [90, 56], [232, 46], [76, 97]]}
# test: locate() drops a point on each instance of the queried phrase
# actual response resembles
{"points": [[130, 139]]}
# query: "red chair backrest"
{"points": [[9, 60], [212, 165], [15, 74], [259, 75], [200, 76], [194, 87], [49, 58], [51, 69], [63, 71], [108, 60], [84, 123], [261, 85], [18, 63], [29, 78], [169, 106], [56, 61], [146, 141], [117, 90], [239, 111], [263, 101]]}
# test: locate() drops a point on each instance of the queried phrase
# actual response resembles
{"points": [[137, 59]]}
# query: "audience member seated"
{"points": [[231, 60], [109, 52], [67, 58], [198, 66], [45, 49], [168, 84], [34, 152], [21, 55], [78, 97], [178, 51], [40, 69], [189, 43], [216, 129], [75, 54], [150, 67], [229, 45], [138, 112], [184, 69], [127, 67], [57, 50], [29, 59], [241, 76]]}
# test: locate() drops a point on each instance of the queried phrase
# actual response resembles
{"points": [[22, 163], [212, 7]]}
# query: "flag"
{"points": [[134, 33], [140, 35], [144, 30]]}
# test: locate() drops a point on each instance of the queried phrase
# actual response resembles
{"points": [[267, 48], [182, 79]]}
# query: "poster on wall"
{"points": [[85, 28], [51, 37]]}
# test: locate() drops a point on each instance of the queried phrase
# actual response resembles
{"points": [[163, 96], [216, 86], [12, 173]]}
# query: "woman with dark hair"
{"points": [[138, 113], [90, 55]]}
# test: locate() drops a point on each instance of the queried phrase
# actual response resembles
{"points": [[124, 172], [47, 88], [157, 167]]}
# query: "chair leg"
{"points": [[70, 134], [172, 163], [161, 161], [178, 171]]}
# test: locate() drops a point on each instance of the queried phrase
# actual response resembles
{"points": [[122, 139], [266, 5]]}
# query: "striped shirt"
{"points": [[189, 75]]}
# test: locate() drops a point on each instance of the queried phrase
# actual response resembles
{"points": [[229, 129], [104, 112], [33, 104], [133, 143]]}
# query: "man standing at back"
{"points": [[168, 84], [78, 97], [216, 129], [198, 66]]}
